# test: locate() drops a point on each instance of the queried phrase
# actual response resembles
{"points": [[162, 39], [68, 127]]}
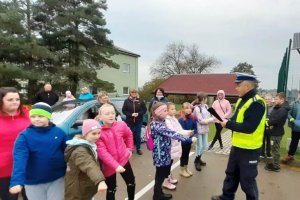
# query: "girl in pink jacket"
{"points": [[176, 150], [223, 108], [114, 149], [203, 119]]}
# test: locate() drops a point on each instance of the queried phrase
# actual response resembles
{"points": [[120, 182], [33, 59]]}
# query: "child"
{"points": [[84, 177], [114, 149], [203, 119], [162, 147], [176, 150], [39, 157], [187, 122]]}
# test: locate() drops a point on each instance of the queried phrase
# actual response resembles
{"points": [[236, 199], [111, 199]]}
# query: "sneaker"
{"points": [[262, 157], [166, 184], [210, 147], [171, 180], [287, 159], [139, 152], [272, 168]]}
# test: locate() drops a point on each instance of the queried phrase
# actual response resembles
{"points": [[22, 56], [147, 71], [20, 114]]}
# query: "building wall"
{"points": [[121, 78]]}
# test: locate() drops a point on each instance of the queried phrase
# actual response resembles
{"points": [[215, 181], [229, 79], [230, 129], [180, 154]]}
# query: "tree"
{"points": [[75, 31], [181, 59], [197, 63], [243, 68], [20, 49]]}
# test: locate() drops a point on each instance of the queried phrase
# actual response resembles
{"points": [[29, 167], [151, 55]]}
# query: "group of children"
{"points": [[50, 167]]}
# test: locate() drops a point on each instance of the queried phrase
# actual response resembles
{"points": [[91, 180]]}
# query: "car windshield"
{"points": [[63, 110]]}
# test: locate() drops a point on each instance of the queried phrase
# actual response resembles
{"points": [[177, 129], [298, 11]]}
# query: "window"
{"points": [[126, 68], [125, 91]]}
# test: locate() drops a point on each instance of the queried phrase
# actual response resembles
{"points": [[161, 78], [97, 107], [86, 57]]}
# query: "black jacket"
{"points": [[134, 106], [47, 97], [277, 119]]}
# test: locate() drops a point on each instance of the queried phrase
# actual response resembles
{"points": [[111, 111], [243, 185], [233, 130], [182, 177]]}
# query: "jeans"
{"points": [[294, 143], [129, 179], [201, 143], [136, 129]]}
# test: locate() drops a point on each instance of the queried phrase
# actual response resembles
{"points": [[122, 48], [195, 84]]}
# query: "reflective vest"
{"points": [[249, 140]]}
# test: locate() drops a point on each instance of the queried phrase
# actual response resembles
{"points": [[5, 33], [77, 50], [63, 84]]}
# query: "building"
{"points": [[191, 84], [126, 76]]}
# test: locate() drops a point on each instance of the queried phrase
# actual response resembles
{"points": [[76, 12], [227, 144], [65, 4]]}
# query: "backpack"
{"points": [[149, 139]]}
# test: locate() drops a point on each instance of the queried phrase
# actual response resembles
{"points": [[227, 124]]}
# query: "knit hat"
{"points": [[42, 109], [89, 125]]}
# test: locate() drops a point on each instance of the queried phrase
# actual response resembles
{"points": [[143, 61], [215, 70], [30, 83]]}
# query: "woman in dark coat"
{"points": [[159, 96]]}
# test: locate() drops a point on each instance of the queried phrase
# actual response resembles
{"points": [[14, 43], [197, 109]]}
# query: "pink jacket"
{"points": [[10, 128], [203, 118], [114, 146], [222, 107], [173, 124]]}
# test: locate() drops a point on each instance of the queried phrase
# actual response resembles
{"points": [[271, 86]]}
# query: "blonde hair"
{"points": [[106, 105], [185, 105], [169, 104]]}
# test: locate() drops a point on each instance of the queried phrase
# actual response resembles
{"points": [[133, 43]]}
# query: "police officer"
{"points": [[247, 124]]}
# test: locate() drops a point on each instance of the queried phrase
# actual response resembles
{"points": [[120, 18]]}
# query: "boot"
{"points": [[130, 191], [188, 171], [166, 184], [197, 163], [287, 159], [171, 180], [183, 172], [165, 196], [202, 163]]}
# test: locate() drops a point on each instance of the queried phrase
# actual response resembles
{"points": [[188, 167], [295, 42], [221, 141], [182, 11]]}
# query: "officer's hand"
{"points": [[292, 120], [15, 189]]}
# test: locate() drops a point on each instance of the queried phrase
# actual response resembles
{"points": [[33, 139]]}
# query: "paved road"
{"points": [[284, 185]]}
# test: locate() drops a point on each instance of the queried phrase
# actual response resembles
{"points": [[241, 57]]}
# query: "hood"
{"points": [[76, 142], [221, 92]]}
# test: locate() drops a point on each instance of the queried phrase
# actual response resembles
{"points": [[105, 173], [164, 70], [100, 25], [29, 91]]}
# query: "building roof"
{"points": [[126, 52], [194, 83]]}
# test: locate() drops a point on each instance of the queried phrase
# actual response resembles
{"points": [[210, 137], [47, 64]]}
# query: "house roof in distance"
{"points": [[126, 52], [194, 83]]}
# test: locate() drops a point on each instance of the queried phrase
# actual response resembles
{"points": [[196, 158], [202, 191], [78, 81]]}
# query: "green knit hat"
{"points": [[41, 109]]}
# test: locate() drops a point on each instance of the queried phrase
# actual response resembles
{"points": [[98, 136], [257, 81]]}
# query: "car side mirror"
{"points": [[77, 123]]}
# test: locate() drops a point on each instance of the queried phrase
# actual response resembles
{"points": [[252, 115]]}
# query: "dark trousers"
{"points": [[184, 159], [266, 146], [136, 129], [129, 179], [217, 135], [4, 190], [241, 168], [160, 174], [294, 143]]}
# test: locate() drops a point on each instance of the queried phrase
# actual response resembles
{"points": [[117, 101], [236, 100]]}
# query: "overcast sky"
{"points": [[252, 31]]}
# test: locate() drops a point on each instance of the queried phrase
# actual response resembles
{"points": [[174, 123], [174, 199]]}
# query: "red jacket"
{"points": [[10, 128], [114, 146]]}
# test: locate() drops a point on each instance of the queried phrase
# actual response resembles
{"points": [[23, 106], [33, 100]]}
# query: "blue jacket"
{"points": [[189, 124], [39, 156], [162, 136]]}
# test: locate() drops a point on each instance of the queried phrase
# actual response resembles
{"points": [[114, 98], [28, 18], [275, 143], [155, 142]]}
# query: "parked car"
{"points": [[69, 115]]}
